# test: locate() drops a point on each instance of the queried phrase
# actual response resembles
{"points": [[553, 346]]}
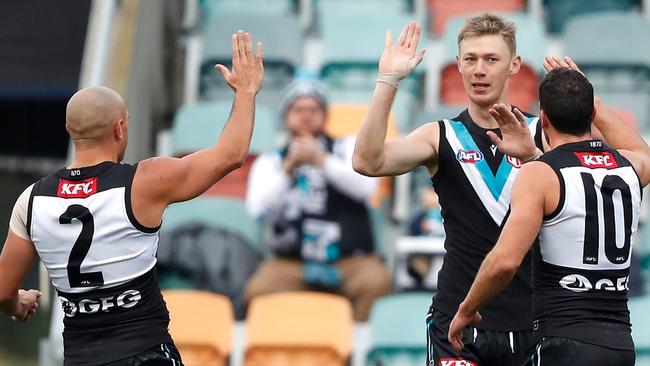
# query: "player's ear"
{"points": [[515, 64], [543, 118], [458, 63], [119, 130]]}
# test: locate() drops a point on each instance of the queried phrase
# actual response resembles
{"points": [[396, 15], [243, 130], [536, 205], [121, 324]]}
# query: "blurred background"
{"points": [[159, 55]]}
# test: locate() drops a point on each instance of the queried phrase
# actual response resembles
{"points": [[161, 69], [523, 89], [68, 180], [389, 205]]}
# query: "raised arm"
{"points": [[161, 181], [373, 155], [530, 199], [616, 132]]}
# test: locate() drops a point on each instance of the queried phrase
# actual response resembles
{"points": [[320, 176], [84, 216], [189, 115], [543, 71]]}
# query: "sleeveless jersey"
{"points": [[101, 261], [581, 263], [474, 182]]}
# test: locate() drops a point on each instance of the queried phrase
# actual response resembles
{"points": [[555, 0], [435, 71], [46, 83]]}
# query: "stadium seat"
{"points": [[201, 325], [283, 50], [345, 119], [559, 12], [299, 329], [619, 36], [220, 212], [397, 327], [199, 126], [442, 10], [522, 92], [351, 62], [640, 331]]}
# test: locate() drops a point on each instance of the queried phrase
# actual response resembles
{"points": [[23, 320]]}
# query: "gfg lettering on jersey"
{"points": [[579, 283], [125, 300], [78, 189], [469, 156], [455, 362], [597, 160]]}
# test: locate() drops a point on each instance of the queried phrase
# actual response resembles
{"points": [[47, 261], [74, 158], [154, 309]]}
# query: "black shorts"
{"points": [[164, 354], [564, 352], [482, 347]]}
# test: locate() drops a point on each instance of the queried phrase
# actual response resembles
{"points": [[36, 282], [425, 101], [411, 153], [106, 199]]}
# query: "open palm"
{"points": [[402, 58]]}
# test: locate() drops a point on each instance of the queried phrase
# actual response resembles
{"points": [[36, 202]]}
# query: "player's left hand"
{"points": [[516, 139], [460, 322]]}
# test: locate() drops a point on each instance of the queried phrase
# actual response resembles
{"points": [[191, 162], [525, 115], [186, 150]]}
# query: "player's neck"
{"points": [[561, 139], [92, 156], [481, 115]]}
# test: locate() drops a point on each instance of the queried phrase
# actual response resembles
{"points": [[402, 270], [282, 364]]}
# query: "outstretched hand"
{"points": [[516, 139], [247, 69], [402, 58]]}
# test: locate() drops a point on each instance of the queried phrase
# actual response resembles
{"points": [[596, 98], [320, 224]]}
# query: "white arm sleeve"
{"points": [[267, 183], [339, 172], [18, 221]]}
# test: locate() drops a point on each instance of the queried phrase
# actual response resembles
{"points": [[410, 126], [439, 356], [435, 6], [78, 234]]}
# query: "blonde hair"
{"points": [[488, 24]]}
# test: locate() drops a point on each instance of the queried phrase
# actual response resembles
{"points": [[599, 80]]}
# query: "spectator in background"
{"points": [[316, 206], [428, 221]]}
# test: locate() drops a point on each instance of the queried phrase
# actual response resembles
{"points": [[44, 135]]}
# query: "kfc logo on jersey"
{"points": [[469, 156], [455, 362], [597, 160], [77, 189], [516, 163]]}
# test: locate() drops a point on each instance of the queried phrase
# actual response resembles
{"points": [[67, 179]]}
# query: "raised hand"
{"points": [[516, 139], [27, 305], [554, 62], [247, 69], [401, 59]]}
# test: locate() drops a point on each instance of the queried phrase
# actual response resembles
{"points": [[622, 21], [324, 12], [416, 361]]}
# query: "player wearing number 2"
{"points": [[95, 224], [583, 199]]}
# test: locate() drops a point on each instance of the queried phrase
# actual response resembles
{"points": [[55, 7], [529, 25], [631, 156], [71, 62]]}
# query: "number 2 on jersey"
{"points": [[81, 247], [614, 254]]}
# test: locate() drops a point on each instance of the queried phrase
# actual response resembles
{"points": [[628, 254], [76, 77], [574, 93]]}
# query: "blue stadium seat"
{"points": [[397, 327], [198, 126]]}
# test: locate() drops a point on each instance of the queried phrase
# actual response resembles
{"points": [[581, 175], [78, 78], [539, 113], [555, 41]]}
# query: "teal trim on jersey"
{"points": [[495, 183]]}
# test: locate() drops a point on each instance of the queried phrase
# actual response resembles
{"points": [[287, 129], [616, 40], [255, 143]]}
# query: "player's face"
{"points": [[485, 63], [305, 117]]}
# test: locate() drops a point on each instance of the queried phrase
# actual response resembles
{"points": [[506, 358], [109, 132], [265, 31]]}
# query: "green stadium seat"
{"points": [[351, 62], [620, 36], [397, 327], [220, 212], [559, 12], [198, 126], [639, 307], [283, 49]]}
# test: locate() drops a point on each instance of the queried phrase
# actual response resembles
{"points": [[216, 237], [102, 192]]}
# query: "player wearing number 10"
{"points": [[95, 224], [584, 199]]}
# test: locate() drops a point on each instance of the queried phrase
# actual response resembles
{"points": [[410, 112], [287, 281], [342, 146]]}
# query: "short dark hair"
{"points": [[567, 99]]}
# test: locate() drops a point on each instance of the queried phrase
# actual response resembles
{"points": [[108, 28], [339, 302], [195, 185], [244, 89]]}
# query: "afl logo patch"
{"points": [[469, 156], [516, 163]]}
